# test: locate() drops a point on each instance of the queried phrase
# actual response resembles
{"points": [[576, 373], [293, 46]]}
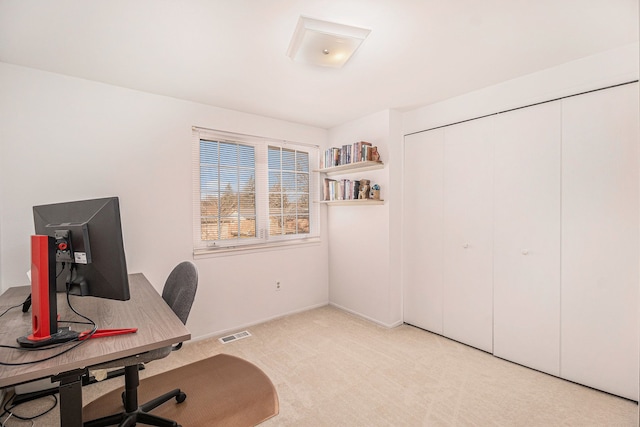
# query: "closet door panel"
{"points": [[527, 237], [468, 174], [423, 230], [600, 240]]}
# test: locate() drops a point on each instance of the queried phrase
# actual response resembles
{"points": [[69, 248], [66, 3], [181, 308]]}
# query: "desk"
{"points": [[157, 324]]}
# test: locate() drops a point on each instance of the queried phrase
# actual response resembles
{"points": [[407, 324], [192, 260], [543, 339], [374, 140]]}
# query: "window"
{"points": [[252, 191], [288, 191], [227, 191]]}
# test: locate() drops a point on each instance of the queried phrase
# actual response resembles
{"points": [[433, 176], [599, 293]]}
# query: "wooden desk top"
{"points": [[157, 324]]}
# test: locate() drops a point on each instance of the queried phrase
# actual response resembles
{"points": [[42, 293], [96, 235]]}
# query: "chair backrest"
{"points": [[180, 289]]}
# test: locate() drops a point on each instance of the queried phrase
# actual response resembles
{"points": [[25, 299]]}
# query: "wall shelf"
{"points": [[352, 168], [354, 202]]}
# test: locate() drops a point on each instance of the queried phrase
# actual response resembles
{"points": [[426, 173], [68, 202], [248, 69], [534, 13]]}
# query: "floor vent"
{"points": [[234, 337]]}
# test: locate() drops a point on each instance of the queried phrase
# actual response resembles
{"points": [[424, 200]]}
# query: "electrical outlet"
{"points": [[278, 285]]}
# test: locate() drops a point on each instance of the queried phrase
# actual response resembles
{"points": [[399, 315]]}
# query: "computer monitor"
{"points": [[89, 245], [78, 248]]}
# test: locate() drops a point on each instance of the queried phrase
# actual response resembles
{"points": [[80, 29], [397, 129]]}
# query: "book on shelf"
{"points": [[339, 193], [354, 189], [362, 148], [351, 153], [340, 189], [326, 190]]}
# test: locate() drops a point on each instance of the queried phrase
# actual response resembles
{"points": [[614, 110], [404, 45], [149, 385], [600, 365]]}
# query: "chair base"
{"points": [[138, 414]]}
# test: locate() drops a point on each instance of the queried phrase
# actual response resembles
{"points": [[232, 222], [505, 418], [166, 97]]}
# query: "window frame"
{"points": [[262, 239]]}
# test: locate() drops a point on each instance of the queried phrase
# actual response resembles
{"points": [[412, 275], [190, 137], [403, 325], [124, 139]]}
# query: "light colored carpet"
{"points": [[334, 369], [221, 391]]}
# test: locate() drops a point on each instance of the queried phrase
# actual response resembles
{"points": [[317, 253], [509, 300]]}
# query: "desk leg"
{"points": [[70, 397]]}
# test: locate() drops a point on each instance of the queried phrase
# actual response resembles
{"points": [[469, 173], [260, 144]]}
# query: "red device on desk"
{"points": [[44, 312], [106, 333]]}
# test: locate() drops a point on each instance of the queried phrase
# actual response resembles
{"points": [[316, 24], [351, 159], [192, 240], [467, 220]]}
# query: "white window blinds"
{"points": [[252, 191]]}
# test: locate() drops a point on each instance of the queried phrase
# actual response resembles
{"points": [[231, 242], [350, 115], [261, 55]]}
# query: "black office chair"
{"points": [[179, 292]]}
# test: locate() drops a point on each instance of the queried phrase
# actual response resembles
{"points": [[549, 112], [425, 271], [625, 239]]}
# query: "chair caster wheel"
{"points": [[181, 397]]}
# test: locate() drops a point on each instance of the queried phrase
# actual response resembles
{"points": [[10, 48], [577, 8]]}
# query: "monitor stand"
{"points": [[44, 308]]}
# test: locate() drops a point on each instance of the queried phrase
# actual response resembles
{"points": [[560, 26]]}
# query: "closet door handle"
{"points": [[466, 246], [525, 252]]}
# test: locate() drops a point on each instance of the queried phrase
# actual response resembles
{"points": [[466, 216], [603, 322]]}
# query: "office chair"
{"points": [[179, 292]]}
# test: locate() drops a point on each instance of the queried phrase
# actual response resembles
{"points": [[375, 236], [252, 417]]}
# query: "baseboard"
{"points": [[370, 319], [257, 322]]}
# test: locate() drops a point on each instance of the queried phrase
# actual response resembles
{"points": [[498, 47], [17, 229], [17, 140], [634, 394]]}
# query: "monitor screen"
{"points": [[89, 257]]}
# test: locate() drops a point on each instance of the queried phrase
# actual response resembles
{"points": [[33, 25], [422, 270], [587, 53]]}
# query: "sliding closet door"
{"points": [[468, 209], [527, 237], [600, 240], [423, 230]]}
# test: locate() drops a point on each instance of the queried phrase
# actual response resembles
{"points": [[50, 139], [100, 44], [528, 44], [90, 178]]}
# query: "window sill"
{"points": [[254, 248]]}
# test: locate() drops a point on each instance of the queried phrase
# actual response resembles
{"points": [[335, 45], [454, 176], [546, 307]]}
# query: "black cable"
{"points": [[25, 309], [8, 409], [10, 308], [68, 288], [75, 322], [32, 362], [77, 341], [90, 322], [44, 347], [9, 406]]}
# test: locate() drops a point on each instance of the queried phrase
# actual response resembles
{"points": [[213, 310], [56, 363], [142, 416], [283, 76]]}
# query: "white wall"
{"points": [[365, 245], [593, 72], [63, 138], [360, 279]]}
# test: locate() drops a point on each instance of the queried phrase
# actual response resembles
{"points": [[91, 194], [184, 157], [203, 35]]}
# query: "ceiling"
{"points": [[232, 53]]}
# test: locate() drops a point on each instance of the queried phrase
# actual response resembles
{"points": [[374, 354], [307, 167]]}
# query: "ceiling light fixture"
{"points": [[324, 43]]}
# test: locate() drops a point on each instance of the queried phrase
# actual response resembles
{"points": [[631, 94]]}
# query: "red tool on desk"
{"points": [[99, 333]]}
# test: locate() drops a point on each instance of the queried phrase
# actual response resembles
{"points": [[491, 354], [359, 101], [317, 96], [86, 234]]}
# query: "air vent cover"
{"points": [[234, 337]]}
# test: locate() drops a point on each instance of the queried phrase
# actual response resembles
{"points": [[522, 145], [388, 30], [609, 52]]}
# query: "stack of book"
{"points": [[358, 152], [340, 189]]}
